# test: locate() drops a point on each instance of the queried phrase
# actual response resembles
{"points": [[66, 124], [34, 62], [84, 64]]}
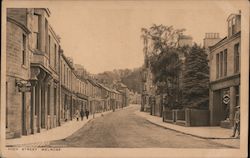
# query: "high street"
{"points": [[125, 129]]}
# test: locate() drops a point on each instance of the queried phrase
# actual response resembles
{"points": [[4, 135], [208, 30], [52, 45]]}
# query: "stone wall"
{"points": [[15, 70]]}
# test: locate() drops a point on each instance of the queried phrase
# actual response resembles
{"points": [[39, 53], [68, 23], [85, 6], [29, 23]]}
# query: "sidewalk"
{"points": [[61, 132], [216, 134]]}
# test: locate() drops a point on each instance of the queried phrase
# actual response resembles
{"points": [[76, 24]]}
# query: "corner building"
{"points": [[224, 60], [32, 63]]}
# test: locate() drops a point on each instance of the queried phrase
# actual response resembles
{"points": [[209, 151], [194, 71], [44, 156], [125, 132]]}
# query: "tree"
{"points": [[196, 79], [161, 56]]}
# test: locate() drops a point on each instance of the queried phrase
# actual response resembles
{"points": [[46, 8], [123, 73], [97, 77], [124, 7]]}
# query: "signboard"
{"points": [[226, 99]]}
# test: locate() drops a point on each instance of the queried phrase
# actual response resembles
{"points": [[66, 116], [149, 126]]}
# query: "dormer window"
{"points": [[233, 24]]}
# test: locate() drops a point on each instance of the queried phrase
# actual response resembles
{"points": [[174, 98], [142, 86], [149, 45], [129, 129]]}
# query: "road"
{"points": [[124, 129]]}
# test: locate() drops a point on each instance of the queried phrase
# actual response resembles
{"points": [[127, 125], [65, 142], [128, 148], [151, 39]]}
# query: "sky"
{"points": [[103, 36]]}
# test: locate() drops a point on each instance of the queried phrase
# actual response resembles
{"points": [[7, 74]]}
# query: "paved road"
{"points": [[124, 129]]}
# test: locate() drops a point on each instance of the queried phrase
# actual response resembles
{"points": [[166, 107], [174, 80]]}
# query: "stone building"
{"points": [[46, 88], [18, 75], [185, 40], [124, 91], [224, 93], [33, 66], [66, 71]]}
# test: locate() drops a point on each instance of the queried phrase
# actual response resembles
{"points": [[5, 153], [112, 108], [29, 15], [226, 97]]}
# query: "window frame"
{"points": [[237, 58], [225, 62], [217, 65], [37, 33], [221, 63], [24, 49]]}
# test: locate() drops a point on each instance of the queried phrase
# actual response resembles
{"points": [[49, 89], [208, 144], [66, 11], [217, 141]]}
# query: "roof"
{"points": [[224, 40], [115, 91], [106, 88], [232, 15], [67, 60]]}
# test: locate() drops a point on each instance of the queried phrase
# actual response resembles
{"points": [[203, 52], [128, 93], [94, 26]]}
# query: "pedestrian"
{"points": [[236, 122], [87, 113], [77, 115], [82, 114]]}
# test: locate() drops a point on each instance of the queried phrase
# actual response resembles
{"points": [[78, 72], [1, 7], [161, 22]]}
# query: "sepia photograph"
{"points": [[126, 78]]}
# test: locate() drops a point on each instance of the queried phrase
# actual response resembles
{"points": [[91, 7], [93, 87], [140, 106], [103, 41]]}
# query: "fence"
{"points": [[187, 117]]}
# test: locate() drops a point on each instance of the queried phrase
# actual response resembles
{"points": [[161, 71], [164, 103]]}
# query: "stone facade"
{"points": [[18, 71], [46, 88], [224, 61]]}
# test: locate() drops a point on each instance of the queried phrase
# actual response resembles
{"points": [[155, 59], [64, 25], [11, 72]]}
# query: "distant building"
{"points": [[224, 94], [185, 40]]}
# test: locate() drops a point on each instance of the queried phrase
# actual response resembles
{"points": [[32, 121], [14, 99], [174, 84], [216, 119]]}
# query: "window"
{"points": [[24, 50], [230, 27], [221, 64], [236, 58], [46, 35], [36, 31], [233, 26], [55, 51], [217, 65], [49, 50], [64, 76], [67, 79], [225, 62]]}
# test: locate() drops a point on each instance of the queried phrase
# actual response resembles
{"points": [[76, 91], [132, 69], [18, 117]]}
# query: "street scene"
{"points": [[112, 78]]}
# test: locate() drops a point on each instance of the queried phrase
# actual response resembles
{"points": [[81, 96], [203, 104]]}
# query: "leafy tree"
{"points": [[196, 79], [161, 56]]}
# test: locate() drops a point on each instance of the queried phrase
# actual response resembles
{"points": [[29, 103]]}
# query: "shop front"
{"points": [[224, 97]]}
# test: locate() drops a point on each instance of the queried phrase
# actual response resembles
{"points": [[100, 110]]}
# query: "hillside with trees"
{"points": [[131, 78]]}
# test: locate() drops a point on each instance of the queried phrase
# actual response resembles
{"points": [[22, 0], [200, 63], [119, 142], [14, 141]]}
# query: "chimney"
{"points": [[211, 39]]}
